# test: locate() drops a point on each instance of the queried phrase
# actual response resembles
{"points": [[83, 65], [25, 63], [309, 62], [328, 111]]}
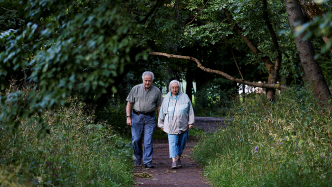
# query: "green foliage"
{"points": [[212, 27], [285, 143], [319, 27], [212, 100], [68, 48], [114, 114], [76, 153], [10, 17]]}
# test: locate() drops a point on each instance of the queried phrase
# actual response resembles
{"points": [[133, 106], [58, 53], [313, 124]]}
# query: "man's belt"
{"points": [[144, 113]]}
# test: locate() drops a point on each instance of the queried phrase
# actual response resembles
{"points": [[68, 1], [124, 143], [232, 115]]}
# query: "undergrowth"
{"points": [[281, 143], [76, 152]]}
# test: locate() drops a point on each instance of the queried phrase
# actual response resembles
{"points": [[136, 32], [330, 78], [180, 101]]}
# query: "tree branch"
{"points": [[269, 65], [158, 3], [9, 10], [241, 81], [272, 33], [198, 13], [236, 63]]}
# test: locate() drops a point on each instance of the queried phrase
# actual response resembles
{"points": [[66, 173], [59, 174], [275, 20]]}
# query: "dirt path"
{"points": [[189, 175]]}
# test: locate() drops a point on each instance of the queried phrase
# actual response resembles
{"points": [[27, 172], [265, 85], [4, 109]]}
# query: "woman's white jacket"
{"points": [[176, 114]]}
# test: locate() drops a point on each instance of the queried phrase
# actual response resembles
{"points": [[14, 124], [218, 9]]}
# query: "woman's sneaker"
{"points": [[174, 165], [179, 163]]}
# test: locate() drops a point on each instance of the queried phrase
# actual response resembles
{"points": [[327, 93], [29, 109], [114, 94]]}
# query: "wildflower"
{"points": [[255, 149], [323, 156], [280, 143]]}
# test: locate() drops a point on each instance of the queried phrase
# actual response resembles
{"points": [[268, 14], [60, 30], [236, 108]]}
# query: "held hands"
{"points": [[129, 121], [159, 127], [190, 126]]}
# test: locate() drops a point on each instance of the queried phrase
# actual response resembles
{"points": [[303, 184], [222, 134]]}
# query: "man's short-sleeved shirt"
{"points": [[145, 101]]}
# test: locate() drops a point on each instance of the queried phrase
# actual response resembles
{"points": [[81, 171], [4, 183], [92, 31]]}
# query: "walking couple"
{"points": [[175, 117]]}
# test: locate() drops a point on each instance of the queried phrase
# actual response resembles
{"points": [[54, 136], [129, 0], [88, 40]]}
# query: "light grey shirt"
{"points": [[176, 115], [145, 101]]}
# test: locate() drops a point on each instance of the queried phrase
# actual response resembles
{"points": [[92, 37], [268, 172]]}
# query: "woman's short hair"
{"points": [[147, 73], [174, 81]]}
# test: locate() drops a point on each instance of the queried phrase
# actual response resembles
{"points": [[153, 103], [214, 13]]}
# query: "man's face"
{"points": [[147, 81]]}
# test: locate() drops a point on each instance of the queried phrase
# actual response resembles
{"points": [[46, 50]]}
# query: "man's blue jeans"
{"points": [[177, 142], [140, 122]]}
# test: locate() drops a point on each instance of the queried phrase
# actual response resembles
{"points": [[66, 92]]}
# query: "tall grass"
{"points": [[75, 153], [284, 143]]}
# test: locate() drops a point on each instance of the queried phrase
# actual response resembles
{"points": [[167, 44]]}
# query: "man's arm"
{"points": [[128, 110], [158, 110]]}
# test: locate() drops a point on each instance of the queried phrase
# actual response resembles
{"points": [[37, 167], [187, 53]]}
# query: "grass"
{"points": [[77, 152], [284, 143]]}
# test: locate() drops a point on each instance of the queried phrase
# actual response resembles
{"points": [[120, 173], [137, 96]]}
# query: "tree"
{"points": [[70, 48], [262, 85], [313, 73], [234, 23]]}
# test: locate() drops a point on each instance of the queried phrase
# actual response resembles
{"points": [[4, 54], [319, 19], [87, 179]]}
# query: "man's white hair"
{"points": [[174, 81], [147, 73]]}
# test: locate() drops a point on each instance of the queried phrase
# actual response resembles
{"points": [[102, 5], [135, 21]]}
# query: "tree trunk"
{"points": [[273, 69], [189, 79], [312, 71], [311, 9], [283, 81], [243, 92], [273, 77]]}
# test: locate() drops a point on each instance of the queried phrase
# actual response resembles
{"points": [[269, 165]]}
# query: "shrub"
{"points": [[75, 153], [211, 101], [282, 143], [115, 116]]}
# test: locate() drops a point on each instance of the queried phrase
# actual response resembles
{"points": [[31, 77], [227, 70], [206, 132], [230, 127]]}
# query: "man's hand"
{"points": [[129, 121], [191, 126], [128, 111]]}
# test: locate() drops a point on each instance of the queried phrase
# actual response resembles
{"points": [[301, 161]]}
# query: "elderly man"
{"points": [[145, 99]]}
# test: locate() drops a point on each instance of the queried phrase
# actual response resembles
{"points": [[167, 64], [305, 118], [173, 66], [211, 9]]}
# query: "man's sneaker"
{"points": [[148, 165], [174, 165], [179, 163], [137, 163]]}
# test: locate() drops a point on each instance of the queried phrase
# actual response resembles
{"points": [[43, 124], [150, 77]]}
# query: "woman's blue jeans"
{"points": [[177, 143], [140, 122]]}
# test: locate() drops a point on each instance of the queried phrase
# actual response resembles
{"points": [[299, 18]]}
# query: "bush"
{"points": [[75, 153], [284, 143], [115, 116], [211, 101]]}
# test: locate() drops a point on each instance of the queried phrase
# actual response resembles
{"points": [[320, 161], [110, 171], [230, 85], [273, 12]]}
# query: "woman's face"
{"points": [[174, 88]]}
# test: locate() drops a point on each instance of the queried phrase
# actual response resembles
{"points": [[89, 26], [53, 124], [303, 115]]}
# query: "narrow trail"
{"points": [[189, 175]]}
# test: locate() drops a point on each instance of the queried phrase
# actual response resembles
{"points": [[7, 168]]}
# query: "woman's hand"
{"points": [[191, 126]]}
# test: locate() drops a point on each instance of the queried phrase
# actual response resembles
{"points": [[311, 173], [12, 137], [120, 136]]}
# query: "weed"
{"points": [[281, 143], [75, 153]]}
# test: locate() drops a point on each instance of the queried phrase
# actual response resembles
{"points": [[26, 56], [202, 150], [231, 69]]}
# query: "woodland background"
{"points": [[66, 68]]}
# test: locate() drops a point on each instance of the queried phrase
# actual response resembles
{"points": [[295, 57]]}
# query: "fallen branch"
{"points": [[241, 81]]}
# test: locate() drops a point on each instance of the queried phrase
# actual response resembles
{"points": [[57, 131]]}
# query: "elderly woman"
{"points": [[176, 117]]}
